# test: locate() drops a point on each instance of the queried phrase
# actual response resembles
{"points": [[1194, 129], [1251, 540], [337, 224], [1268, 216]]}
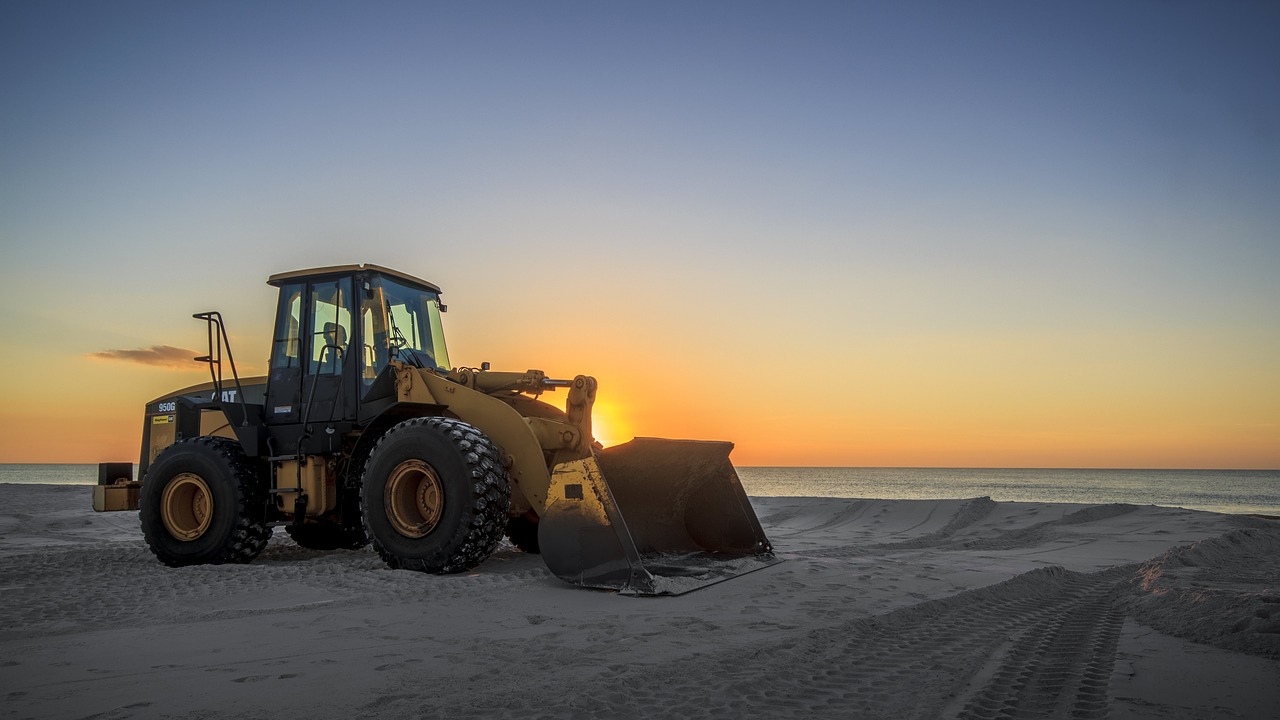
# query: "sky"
{"points": [[949, 234]]}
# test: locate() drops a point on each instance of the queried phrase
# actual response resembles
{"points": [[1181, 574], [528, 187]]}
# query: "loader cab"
{"points": [[336, 329]]}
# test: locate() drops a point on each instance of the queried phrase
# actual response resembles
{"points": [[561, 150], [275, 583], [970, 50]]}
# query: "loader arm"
{"points": [[522, 440], [650, 517]]}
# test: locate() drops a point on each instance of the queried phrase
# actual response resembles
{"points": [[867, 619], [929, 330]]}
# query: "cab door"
{"points": [[284, 377], [312, 362]]}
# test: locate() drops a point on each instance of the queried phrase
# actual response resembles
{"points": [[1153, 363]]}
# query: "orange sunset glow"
{"points": [[852, 237]]}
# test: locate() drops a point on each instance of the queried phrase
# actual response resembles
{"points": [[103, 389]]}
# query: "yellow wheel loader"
{"points": [[362, 432]]}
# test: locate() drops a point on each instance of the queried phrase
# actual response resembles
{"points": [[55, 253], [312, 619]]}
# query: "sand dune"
{"points": [[882, 609]]}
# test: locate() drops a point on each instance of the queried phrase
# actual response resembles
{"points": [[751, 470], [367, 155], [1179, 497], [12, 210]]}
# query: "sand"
{"points": [[882, 609]]}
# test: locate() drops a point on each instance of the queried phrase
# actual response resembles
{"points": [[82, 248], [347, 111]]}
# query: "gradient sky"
{"points": [[913, 234]]}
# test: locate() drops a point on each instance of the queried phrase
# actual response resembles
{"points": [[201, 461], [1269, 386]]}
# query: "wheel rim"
{"points": [[414, 498], [186, 506]]}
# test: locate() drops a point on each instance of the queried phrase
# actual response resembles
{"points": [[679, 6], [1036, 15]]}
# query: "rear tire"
{"points": [[434, 496], [203, 503]]}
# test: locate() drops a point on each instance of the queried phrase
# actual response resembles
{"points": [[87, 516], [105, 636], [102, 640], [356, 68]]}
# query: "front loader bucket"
{"points": [[651, 517]]}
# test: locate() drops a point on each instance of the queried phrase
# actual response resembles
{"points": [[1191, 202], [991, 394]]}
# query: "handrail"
{"points": [[217, 340]]}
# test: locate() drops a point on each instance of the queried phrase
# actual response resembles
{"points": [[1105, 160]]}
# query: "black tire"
{"points": [[203, 502], [325, 536], [523, 533], [434, 496]]}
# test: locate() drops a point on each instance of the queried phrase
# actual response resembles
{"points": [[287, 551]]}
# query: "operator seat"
{"points": [[335, 336]]}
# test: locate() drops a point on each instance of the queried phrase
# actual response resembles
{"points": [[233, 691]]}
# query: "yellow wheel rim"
{"points": [[186, 506], [414, 498]]}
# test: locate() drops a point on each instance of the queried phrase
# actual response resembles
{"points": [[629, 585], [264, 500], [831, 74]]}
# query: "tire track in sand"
{"points": [[1038, 645], [971, 514], [1058, 667]]}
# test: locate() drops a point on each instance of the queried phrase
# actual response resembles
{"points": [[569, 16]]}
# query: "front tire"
{"points": [[202, 503], [434, 496]]}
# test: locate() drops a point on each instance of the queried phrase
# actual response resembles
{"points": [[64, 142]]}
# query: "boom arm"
{"points": [[650, 517], [523, 440]]}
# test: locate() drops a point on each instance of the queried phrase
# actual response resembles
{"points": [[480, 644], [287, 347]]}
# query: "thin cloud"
{"points": [[165, 356]]}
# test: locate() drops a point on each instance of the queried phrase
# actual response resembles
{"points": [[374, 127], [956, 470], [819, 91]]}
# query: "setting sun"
{"points": [[608, 424]]}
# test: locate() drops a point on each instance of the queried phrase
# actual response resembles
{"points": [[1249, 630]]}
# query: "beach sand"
{"points": [[882, 609]]}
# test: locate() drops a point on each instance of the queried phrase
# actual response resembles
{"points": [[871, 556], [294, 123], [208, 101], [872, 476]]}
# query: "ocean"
{"points": [[1226, 491], [1219, 491]]}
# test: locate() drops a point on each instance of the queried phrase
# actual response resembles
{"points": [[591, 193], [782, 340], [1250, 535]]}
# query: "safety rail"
{"points": [[218, 340]]}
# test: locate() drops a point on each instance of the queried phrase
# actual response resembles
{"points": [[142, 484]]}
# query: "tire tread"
{"points": [[249, 537], [485, 518]]}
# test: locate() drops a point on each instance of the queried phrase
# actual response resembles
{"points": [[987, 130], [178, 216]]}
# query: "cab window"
{"points": [[373, 327], [330, 325], [413, 324], [286, 351]]}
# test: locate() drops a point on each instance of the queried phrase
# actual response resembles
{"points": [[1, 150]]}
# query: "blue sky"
{"points": [[857, 176], [795, 115]]}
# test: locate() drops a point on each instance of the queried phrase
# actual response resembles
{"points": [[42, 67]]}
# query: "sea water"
{"points": [[1228, 491]]}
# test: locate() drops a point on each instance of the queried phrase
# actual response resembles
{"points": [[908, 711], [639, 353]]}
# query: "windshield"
{"points": [[403, 322]]}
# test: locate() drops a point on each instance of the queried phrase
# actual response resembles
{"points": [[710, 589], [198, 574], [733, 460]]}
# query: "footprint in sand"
{"points": [[389, 666], [260, 678]]}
